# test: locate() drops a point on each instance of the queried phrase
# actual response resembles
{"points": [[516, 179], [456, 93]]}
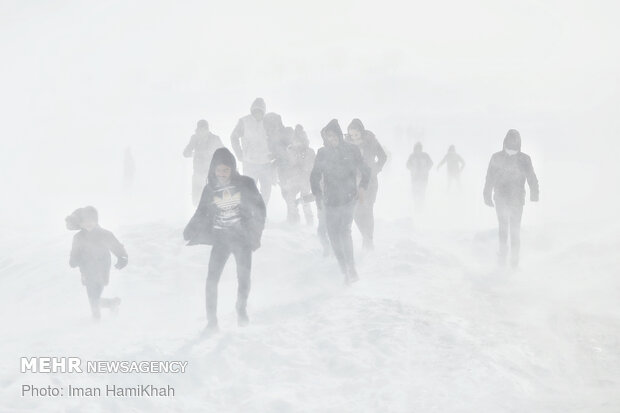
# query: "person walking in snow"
{"points": [[337, 163], [505, 190], [201, 146], [231, 218], [419, 165], [374, 157], [455, 164], [294, 176], [250, 142], [91, 253]]}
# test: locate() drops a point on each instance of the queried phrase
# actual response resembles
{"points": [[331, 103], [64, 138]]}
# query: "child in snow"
{"points": [[91, 252]]}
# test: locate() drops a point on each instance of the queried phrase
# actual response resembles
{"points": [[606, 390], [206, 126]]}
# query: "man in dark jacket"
{"points": [[201, 146], [505, 183], [91, 253], [419, 165], [374, 157], [338, 163], [231, 217]]}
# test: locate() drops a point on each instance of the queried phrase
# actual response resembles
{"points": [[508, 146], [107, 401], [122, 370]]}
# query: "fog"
{"points": [[83, 81]]}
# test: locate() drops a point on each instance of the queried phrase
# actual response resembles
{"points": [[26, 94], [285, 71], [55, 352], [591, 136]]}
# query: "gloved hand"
{"points": [[534, 197], [121, 263]]}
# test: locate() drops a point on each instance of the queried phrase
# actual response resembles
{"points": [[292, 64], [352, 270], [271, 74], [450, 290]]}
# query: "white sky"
{"points": [[82, 80]]}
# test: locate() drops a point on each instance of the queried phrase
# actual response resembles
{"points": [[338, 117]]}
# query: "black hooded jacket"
{"points": [[507, 174], [200, 229], [338, 166]]}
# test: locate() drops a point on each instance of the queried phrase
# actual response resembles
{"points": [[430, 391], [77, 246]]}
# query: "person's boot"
{"points": [[352, 276], [211, 328], [242, 317]]}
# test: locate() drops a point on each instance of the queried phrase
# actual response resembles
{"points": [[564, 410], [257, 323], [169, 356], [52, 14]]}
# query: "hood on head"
{"points": [[512, 140], [417, 147], [222, 156], [334, 127], [258, 104], [301, 137], [357, 125], [202, 124]]}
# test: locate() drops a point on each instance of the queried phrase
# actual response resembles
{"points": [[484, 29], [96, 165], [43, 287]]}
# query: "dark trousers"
{"points": [[509, 219], [321, 229], [338, 220], [364, 213], [220, 252]]}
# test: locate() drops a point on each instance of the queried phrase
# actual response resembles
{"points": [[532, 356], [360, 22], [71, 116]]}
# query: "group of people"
{"points": [[341, 178], [420, 163]]}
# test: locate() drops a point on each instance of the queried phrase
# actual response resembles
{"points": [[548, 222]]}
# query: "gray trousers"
{"points": [[263, 175], [509, 219], [338, 221], [94, 291]]}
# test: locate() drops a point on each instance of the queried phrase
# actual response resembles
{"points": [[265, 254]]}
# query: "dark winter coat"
{"points": [[202, 146], [419, 164], [91, 252], [507, 174], [338, 167], [200, 229]]}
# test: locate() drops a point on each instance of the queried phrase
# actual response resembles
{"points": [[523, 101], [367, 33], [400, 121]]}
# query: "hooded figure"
{"points": [[374, 157], [337, 165], [294, 173], [505, 184], [231, 218], [454, 163], [419, 165], [251, 144], [91, 253], [201, 146]]}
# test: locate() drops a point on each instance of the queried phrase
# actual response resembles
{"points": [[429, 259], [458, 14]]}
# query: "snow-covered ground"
{"points": [[433, 325]]}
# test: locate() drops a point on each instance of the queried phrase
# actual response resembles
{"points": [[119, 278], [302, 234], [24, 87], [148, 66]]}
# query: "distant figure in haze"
{"points": [[91, 253], [251, 144], [337, 163], [505, 183], [374, 157], [295, 176], [201, 146], [231, 218], [129, 170], [419, 165], [455, 165]]}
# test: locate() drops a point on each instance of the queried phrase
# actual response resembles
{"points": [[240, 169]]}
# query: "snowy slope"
{"points": [[431, 326]]}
